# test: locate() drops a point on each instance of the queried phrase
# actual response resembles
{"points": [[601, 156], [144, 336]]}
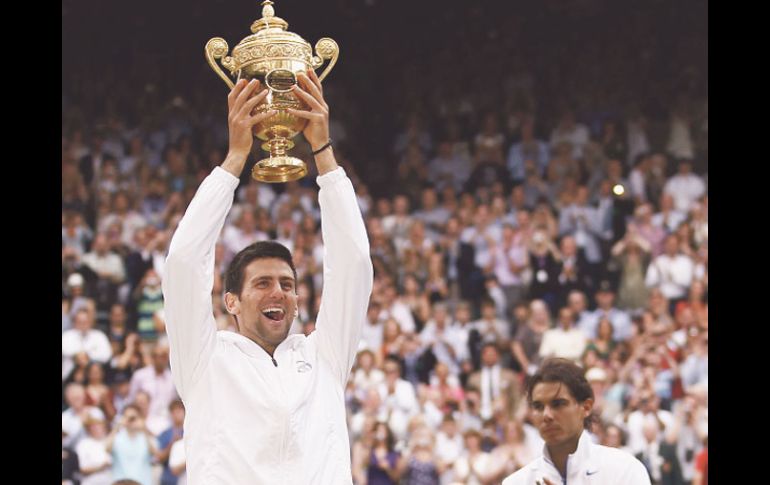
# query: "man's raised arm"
{"points": [[348, 273], [189, 271]]}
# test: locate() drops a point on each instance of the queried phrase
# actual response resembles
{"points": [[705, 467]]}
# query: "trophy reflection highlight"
{"points": [[275, 57]]}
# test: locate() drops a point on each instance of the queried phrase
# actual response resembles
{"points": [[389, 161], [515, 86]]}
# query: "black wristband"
{"points": [[328, 144]]}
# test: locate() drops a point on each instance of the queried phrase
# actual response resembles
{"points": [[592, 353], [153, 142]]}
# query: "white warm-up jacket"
{"points": [[590, 464], [250, 421]]}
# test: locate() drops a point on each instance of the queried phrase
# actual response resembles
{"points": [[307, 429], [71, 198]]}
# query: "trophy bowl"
{"points": [[275, 57]]}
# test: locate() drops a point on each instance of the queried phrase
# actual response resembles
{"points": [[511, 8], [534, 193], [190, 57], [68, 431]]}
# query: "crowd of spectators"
{"points": [[526, 196]]}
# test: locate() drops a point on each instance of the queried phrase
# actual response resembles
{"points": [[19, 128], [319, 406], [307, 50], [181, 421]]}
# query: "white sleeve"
{"points": [[85, 458], [545, 345], [565, 221], [69, 345], [459, 342], [636, 179], [636, 473], [404, 318], [189, 279], [407, 398], [103, 351], [652, 278], [176, 456], [117, 268], [685, 268], [348, 274], [668, 187]]}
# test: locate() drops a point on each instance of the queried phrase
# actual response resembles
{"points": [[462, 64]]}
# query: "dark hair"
{"points": [[640, 158], [390, 440], [131, 406], [622, 433], [489, 343], [258, 250], [393, 358], [176, 403], [565, 372], [91, 364], [365, 351]]}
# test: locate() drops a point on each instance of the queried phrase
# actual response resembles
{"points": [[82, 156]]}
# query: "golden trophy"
{"points": [[275, 57]]}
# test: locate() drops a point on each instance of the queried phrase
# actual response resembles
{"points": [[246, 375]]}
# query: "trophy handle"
{"points": [[326, 48], [216, 48]]}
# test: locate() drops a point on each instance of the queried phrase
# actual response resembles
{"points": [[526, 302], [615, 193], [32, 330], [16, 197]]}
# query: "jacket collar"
{"points": [[581, 458], [250, 348]]}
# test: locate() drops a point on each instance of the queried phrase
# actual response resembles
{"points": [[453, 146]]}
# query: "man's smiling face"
{"points": [[267, 303]]}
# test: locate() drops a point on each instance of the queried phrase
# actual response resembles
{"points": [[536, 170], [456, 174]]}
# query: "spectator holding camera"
{"points": [[132, 447]]}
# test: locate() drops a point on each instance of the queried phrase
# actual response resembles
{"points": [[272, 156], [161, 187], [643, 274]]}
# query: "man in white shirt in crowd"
{"points": [[261, 407], [156, 380], [646, 409], [561, 400], [584, 318], [393, 307], [685, 187], [83, 338], [440, 334], [565, 340], [622, 327], [498, 386], [372, 329], [398, 397], [73, 418], [671, 272], [668, 217]]}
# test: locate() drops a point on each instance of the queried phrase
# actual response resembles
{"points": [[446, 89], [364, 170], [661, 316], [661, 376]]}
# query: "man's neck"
{"points": [[269, 348], [560, 453]]}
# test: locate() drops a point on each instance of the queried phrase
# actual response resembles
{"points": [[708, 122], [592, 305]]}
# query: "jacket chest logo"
{"points": [[303, 366]]}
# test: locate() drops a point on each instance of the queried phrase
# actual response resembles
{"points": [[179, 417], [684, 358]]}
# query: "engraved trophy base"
{"points": [[279, 169]]}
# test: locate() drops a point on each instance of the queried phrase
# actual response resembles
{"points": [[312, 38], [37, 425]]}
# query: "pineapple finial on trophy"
{"points": [[267, 9]]}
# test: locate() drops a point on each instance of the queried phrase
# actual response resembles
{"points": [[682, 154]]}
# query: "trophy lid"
{"points": [[268, 20], [268, 48], [268, 33]]}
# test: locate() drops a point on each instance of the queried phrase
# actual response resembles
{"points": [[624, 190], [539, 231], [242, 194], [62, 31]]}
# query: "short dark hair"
{"points": [[176, 403], [131, 406], [258, 250], [489, 343], [393, 358], [622, 433], [565, 372], [390, 440]]}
